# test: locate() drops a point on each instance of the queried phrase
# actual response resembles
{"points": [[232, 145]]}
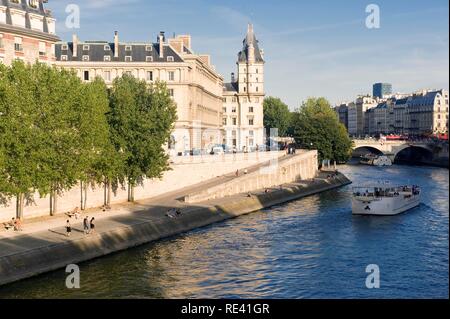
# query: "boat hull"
{"points": [[385, 206]]}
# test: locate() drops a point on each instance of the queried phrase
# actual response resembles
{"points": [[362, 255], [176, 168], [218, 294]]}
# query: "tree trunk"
{"points": [[85, 189], [55, 203], [130, 192], [51, 203], [105, 196], [19, 206], [81, 195], [109, 193]]}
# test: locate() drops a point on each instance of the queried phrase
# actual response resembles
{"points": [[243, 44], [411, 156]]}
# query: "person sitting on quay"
{"points": [[18, 225], [10, 225]]}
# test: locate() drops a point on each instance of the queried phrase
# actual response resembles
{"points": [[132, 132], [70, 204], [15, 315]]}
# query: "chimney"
{"points": [[116, 44], [186, 40], [75, 45], [161, 40], [233, 79]]}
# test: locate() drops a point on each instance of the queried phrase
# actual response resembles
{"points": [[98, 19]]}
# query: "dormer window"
{"points": [[128, 58], [128, 48], [85, 47], [85, 58], [149, 59], [148, 48], [170, 58], [107, 58], [107, 47], [64, 47]]}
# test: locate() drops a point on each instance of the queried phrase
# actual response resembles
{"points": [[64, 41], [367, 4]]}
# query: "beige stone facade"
{"points": [[27, 32], [243, 116], [191, 79]]}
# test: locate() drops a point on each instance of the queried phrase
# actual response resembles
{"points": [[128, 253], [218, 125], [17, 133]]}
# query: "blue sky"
{"points": [[312, 48]]}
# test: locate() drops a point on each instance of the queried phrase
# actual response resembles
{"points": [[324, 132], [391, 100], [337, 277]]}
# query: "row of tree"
{"points": [[314, 125], [57, 131]]}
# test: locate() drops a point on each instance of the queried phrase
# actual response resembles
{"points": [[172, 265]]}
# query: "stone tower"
{"points": [[243, 121]]}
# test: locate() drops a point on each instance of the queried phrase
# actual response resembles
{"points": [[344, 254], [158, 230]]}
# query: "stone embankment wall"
{"points": [[47, 256], [303, 166], [186, 171]]}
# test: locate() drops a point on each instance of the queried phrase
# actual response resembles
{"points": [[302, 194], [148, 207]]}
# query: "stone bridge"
{"points": [[393, 148]]}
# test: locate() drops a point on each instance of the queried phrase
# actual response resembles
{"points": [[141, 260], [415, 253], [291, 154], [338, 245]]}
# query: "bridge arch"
{"points": [[363, 150], [413, 154]]}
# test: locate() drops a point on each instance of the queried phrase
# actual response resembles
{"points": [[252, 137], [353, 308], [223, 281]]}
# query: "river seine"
{"points": [[311, 248]]}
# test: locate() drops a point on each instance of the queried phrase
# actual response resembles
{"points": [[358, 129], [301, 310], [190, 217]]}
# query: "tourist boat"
{"points": [[384, 199], [375, 160]]}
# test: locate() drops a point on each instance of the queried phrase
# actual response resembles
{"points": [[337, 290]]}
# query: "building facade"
{"points": [[191, 79], [357, 122], [381, 90], [422, 113], [428, 113], [342, 113], [27, 32], [243, 116]]}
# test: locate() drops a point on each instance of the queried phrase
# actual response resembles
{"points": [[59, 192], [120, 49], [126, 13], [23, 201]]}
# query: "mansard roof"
{"points": [[139, 52], [230, 87], [427, 99], [25, 6], [249, 40]]}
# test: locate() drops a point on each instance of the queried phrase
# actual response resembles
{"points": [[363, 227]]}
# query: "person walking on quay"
{"points": [[68, 228], [86, 225], [92, 225]]}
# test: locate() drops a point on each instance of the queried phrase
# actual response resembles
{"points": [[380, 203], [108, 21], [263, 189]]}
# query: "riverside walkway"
{"points": [[53, 227], [42, 245]]}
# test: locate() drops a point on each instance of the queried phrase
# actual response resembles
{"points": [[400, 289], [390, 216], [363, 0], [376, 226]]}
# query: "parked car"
{"points": [[217, 150]]}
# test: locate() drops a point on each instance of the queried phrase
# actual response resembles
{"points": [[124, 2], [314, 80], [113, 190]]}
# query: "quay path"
{"points": [[42, 245]]}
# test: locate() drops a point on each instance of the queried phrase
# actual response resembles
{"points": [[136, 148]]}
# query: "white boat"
{"points": [[385, 200], [375, 160]]}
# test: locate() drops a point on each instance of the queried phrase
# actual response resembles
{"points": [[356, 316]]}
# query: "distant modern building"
{"points": [[27, 32], [243, 116], [381, 90]]}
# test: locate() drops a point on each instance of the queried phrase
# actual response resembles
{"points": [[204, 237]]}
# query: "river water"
{"points": [[311, 248]]}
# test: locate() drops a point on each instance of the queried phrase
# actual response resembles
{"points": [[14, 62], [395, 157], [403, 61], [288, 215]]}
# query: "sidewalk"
{"points": [[52, 229]]}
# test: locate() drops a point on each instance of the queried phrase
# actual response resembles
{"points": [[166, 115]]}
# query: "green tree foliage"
{"points": [[56, 130], [276, 115], [141, 120], [18, 133], [316, 126]]}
